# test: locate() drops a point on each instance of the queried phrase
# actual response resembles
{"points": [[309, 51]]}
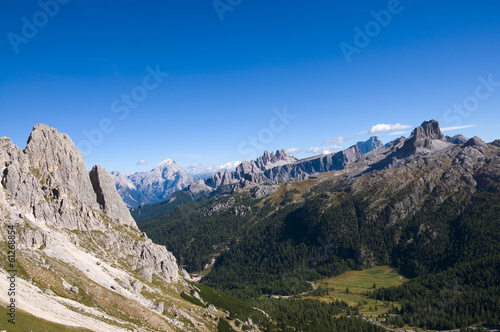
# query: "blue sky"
{"points": [[268, 75]]}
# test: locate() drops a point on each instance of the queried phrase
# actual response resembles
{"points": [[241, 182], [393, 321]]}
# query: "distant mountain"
{"points": [[153, 186], [270, 169], [457, 139], [273, 168], [168, 177], [372, 144], [425, 205]]}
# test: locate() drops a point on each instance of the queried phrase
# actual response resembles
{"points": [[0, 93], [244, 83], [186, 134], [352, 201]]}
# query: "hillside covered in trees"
{"points": [[432, 215]]}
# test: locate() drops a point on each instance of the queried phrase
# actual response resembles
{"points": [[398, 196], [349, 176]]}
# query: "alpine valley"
{"points": [[402, 236], [426, 206]]}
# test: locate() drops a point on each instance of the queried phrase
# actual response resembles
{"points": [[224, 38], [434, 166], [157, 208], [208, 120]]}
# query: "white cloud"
{"points": [[332, 149], [314, 150], [337, 140], [401, 132], [293, 150], [324, 150], [382, 127], [142, 162], [335, 147], [457, 127], [205, 169]]}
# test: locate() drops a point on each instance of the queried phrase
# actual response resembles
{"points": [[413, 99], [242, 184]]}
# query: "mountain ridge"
{"points": [[80, 260], [271, 168], [425, 206]]}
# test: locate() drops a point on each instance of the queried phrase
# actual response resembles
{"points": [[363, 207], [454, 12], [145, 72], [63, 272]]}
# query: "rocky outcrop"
{"points": [[107, 196], [371, 144], [52, 192], [426, 138], [250, 170], [263, 191], [44, 178], [76, 240]]}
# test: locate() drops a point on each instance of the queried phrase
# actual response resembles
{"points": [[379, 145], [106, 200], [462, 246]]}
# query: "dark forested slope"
{"points": [[422, 205]]}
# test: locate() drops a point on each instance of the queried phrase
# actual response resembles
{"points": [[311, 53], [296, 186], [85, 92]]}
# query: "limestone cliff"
{"points": [[81, 259]]}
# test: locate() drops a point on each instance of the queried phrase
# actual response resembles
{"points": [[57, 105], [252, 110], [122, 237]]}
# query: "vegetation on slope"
{"points": [[424, 219]]}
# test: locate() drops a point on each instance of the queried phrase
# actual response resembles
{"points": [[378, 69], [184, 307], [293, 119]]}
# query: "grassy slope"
{"points": [[27, 322]]}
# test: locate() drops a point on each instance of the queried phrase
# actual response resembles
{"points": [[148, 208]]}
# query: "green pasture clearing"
{"points": [[358, 283]]}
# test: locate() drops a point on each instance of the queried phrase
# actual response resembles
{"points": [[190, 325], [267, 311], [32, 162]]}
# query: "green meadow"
{"points": [[352, 285]]}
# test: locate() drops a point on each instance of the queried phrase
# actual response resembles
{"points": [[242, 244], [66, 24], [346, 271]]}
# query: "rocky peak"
{"points": [[475, 141], [108, 198], [428, 129], [270, 159], [48, 184], [282, 155], [47, 177], [267, 161], [153, 186], [372, 143], [426, 138], [167, 162], [457, 139]]}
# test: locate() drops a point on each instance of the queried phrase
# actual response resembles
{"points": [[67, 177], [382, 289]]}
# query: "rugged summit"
{"points": [[49, 185], [273, 168], [426, 138], [82, 261], [371, 144], [265, 162], [153, 186]]}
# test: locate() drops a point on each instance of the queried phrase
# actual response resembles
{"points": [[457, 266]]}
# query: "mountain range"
{"points": [[426, 205], [270, 168], [76, 259], [161, 182]]}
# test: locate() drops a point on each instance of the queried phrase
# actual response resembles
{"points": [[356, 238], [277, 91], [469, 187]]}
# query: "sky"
{"points": [[212, 82]]}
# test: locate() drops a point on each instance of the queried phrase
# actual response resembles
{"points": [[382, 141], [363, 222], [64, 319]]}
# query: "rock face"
{"points": [[248, 169], [44, 178], [426, 138], [64, 214], [273, 168], [154, 186], [107, 196], [372, 144], [49, 184]]}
